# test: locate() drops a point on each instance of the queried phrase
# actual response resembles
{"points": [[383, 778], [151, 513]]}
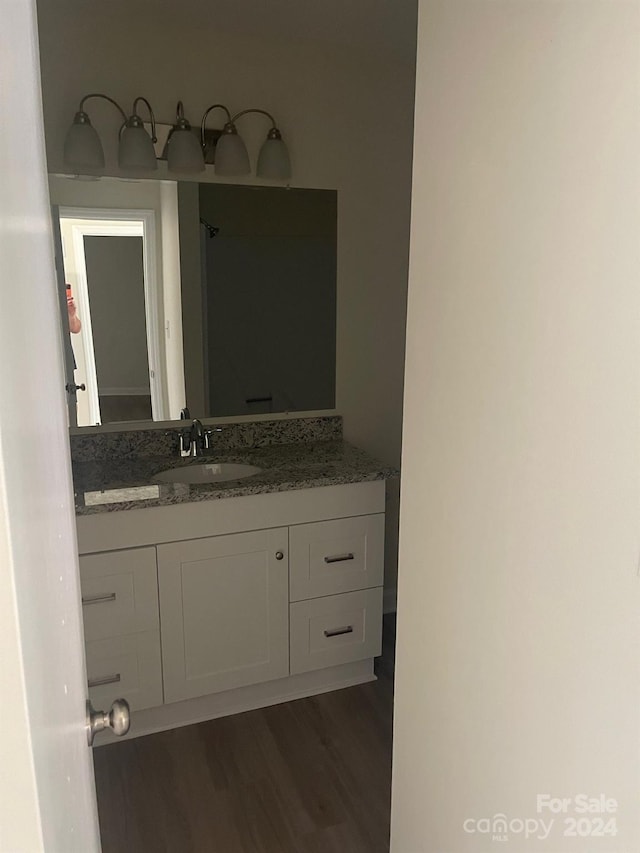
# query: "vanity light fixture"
{"points": [[184, 154], [211, 143], [231, 152], [136, 150], [83, 148], [185, 149]]}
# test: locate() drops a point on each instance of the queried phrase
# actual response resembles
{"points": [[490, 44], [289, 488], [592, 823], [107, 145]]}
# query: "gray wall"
{"points": [[115, 277]]}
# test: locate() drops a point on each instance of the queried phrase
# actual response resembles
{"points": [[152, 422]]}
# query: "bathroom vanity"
{"points": [[201, 600]]}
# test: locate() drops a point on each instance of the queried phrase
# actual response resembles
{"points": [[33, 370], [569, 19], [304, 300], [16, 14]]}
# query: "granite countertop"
{"points": [[128, 483]]}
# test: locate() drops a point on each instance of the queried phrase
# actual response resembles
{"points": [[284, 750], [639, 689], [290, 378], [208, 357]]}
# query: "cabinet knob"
{"points": [[279, 555]]}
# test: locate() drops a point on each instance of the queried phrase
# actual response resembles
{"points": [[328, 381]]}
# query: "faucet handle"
{"points": [[208, 433]]}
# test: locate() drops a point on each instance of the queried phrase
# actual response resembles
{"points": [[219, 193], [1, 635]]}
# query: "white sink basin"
{"points": [[207, 472]]}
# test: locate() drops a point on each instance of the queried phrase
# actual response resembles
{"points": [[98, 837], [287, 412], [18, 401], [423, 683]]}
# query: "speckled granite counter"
{"points": [[110, 485]]}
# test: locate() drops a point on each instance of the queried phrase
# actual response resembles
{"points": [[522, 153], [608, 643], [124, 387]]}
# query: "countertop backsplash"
{"points": [[132, 444]]}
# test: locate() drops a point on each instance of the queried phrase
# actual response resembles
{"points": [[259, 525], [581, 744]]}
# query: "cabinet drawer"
{"points": [[330, 557], [336, 629], [119, 593], [126, 667]]}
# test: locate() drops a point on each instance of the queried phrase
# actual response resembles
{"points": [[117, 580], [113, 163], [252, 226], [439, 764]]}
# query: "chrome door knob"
{"points": [[117, 718]]}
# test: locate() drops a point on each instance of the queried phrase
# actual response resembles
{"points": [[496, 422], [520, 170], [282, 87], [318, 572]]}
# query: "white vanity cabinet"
{"points": [[201, 609]]}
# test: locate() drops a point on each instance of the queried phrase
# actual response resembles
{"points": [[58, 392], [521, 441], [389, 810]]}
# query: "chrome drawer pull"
{"points": [[106, 679], [98, 599], [336, 632], [339, 558]]}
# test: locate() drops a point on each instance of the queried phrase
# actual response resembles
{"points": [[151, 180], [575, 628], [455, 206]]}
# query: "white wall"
{"points": [[339, 79], [518, 655]]}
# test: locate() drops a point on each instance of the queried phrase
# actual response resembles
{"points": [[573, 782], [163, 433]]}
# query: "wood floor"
{"points": [[310, 776]]}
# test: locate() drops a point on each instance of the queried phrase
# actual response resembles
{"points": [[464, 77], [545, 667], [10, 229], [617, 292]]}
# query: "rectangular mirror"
{"points": [[214, 297]]}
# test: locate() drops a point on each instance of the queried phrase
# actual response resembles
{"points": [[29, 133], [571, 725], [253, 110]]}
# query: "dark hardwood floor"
{"points": [[310, 776]]}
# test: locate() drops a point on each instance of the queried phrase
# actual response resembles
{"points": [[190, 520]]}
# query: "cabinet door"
{"points": [[224, 612]]}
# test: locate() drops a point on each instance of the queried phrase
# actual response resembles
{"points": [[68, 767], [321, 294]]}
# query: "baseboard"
{"points": [[389, 597], [152, 720]]}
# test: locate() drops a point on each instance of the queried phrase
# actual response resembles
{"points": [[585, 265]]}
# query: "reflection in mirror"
{"points": [[116, 293], [106, 280], [218, 297], [259, 298]]}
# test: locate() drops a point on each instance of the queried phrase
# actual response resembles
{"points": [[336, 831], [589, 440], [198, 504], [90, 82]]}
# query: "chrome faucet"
{"points": [[193, 440], [196, 439]]}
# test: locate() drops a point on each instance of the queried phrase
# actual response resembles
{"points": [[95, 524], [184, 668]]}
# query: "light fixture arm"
{"points": [[106, 98], [204, 120], [274, 133], [253, 110], [181, 121], [154, 138]]}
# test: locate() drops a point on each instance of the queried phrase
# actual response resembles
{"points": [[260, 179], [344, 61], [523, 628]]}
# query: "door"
{"points": [[224, 611], [47, 795], [72, 383]]}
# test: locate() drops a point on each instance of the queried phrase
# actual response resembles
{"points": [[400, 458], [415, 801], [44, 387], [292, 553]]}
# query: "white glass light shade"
{"points": [[82, 146], [231, 155], [135, 150], [184, 152], [273, 160]]}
